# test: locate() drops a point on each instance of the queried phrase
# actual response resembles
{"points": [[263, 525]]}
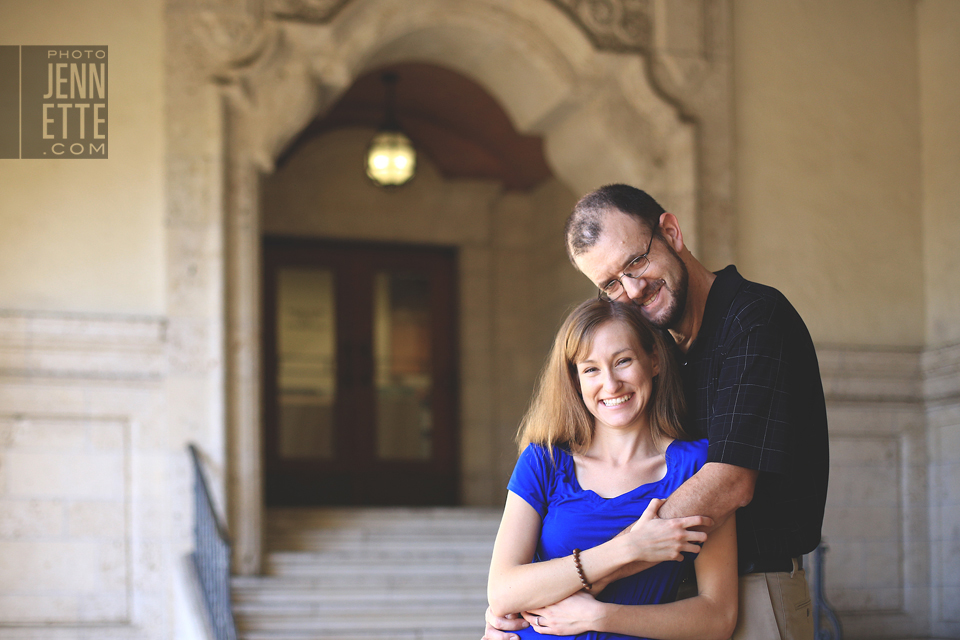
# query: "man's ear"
{"points": [[670, 229]]}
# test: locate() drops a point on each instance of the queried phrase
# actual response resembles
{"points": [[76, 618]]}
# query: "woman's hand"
{"points": [[656, 540], [575, 614]]}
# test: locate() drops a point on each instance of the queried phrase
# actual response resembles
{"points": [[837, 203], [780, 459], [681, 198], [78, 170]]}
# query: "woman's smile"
{"points": [[615, 402]]}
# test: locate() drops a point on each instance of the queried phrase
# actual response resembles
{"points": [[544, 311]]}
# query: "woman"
{"points": [[601, 447]]}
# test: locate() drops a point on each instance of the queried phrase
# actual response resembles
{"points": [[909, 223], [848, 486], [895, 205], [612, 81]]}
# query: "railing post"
{"points": [[826, 625]]}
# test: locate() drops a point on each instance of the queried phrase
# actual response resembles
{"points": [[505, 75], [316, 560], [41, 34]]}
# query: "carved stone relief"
{"points": [[314, 11], [613, 25]]}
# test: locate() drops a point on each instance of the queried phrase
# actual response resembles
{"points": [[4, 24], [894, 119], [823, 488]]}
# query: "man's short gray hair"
{"points": [[585, 224]]}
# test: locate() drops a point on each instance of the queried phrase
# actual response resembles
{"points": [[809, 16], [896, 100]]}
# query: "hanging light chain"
{"points": [[391, 157]]}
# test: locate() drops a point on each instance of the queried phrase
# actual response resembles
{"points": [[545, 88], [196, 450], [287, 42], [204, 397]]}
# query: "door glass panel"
{"points": [[403, 366], [306, 362]]}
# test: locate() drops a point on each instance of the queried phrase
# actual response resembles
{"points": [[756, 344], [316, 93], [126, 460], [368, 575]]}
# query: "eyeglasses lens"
{"points": [[634, 270]]}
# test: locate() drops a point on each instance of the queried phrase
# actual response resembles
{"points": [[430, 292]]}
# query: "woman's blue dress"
{"points": [[578, 518]]}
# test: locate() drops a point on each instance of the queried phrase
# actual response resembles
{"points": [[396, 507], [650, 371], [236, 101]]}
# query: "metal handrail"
{"points": [[211, 557], [826, 625]]}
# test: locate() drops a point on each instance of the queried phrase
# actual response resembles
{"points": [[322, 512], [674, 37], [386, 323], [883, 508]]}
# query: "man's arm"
{"points": [[716, 490]]}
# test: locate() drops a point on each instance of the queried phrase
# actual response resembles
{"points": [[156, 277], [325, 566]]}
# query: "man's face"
{"points": [[661, 292]]}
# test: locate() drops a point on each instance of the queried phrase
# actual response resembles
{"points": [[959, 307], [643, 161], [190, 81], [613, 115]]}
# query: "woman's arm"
{"points": [[710, 614], [516, 583]]}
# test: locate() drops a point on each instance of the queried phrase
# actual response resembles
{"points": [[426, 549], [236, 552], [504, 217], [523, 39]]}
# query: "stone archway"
{"points": [[648, 106]]}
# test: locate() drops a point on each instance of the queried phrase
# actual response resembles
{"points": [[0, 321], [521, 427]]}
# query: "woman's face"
{"points": [[616, 377]]}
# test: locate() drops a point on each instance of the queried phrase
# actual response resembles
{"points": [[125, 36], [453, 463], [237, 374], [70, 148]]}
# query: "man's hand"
{"points": [[499, 628], [677, 539], [658, 540], [575, 614]]}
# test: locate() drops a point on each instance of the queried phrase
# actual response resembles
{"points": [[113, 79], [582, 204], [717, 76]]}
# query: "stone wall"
{"points": [[94, 489], [942, 390], [828, 164], [878, 571]]}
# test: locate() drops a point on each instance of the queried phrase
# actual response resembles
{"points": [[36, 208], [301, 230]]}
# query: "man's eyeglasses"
{"points": [[614, 289]]}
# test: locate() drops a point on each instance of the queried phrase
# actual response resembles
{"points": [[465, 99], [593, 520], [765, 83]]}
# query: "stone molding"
{"points": [[941, 367], [83, 347], [612, 25], [881, 375], [890, 374]]}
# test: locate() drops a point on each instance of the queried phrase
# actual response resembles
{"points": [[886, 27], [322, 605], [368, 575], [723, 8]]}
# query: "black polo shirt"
{"points": [[753, 388]]}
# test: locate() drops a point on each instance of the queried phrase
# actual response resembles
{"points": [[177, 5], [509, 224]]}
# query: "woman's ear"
{"points": [[655, 361]]}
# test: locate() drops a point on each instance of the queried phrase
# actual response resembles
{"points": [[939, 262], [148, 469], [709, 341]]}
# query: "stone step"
{"points": [[369, 581], [328, 597], [369, 574], [373, 622], [383, 519], [373, 554], [278, 564], [399, 544], [337, 530], [365, 634], [359, 606]]}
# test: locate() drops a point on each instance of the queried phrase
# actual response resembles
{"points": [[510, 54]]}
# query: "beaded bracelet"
{"points": [[576, 561]]}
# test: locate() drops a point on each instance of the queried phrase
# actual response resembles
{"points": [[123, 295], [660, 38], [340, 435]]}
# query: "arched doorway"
{"points": [[604, 116], [364, 407]]}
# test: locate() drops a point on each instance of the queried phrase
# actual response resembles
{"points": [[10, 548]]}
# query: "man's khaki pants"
{"points": [[775, 606]]}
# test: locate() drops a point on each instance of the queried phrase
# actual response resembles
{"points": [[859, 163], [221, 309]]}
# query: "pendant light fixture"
{"points": [[391, 158]]}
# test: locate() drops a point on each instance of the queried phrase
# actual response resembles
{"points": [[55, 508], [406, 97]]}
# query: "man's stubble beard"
{"points": [[670, 317]]}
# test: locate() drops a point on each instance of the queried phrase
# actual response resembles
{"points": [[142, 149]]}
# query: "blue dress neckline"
{"points": [[570, 469]]}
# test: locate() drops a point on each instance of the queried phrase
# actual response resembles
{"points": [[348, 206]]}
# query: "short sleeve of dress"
{"points": [[533, 477], [686, 457]]}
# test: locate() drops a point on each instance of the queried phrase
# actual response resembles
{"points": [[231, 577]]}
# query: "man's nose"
{"points": [[633, 288]]}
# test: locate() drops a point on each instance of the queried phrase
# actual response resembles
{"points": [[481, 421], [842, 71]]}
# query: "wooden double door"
{"points": [[360, 345]]}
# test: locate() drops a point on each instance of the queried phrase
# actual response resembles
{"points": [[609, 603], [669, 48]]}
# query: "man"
{"points": [[752, 385]]}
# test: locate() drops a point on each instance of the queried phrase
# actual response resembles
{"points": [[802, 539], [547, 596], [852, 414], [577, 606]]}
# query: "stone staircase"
{"points": [[369, 574]]}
